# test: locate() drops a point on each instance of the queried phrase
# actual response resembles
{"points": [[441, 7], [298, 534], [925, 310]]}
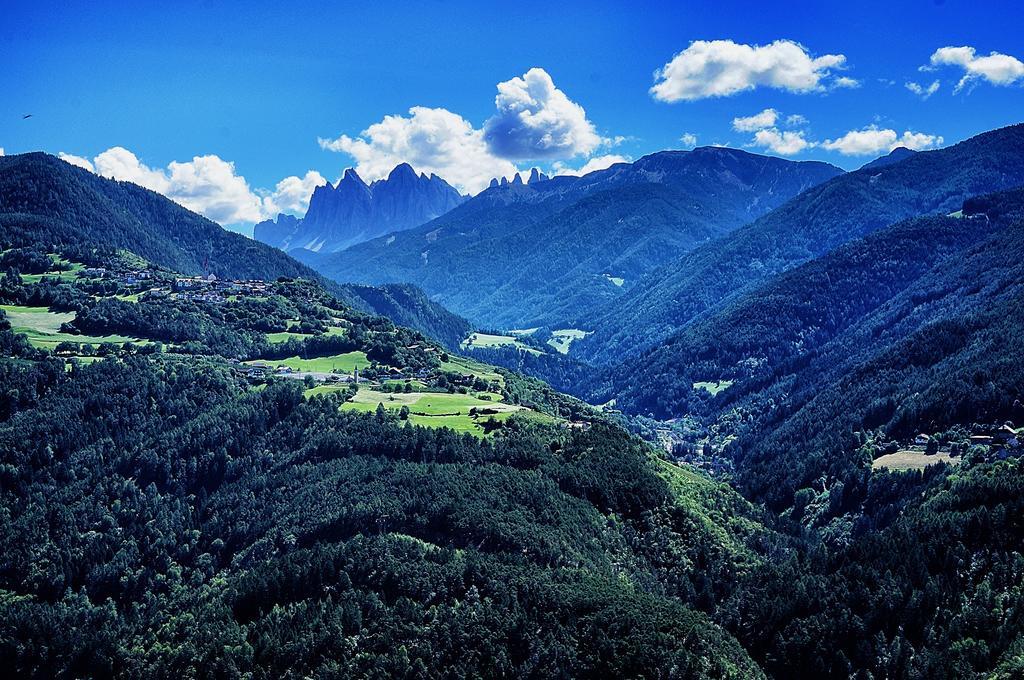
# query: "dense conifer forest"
{"points": [[253, 475]]}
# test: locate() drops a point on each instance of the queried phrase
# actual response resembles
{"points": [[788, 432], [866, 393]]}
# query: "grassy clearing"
{"points": [[562, 339], [64, 274], [487, 340], [42, 327], [285, 336], [344, 363], [910, 459], [440, 409], [468, 366], [713, 387]]}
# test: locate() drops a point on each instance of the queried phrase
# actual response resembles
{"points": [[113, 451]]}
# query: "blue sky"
{"points": [[257, 88]]}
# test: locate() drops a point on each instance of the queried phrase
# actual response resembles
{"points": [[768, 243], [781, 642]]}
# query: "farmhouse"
{"points": [[922, 439]]}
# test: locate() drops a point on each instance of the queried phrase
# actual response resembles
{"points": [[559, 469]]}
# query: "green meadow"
{"points": [[42, 327], [345, 363]]}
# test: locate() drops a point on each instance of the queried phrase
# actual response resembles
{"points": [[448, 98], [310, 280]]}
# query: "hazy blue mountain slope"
{"points": [[842, 209], [547, 251]]}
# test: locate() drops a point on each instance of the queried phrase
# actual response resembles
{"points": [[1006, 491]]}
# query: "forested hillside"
{"points": [[912, 329], [251, 478], [523, 255], [170, 506], [407, 305], [810, 225], [45, 201]]}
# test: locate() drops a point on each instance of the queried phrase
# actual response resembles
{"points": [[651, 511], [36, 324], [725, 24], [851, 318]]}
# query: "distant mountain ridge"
{"points": [[531, 253], [811, 224], [46, 201], [352, 211], [898, 154]]}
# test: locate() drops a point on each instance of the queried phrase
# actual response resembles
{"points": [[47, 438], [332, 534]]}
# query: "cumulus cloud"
{"points": [[785, 143], [923, 91], [207, 185], [431, 140], [689, 140], [874, 140], [758, 121], [719, 68], [767, 135], [593, 165], [292, 194], [996, 68], [844, 81], [76, 160], [536, 120]]}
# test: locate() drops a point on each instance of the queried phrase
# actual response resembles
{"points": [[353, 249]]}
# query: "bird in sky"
{"points": [[27, 115]]}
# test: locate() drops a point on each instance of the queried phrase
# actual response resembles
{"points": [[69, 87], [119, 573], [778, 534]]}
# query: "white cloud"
{"points": [[758, 121], [207, 185], [536, 120], [1, 151], [796, 120], [785, 143], [431, 140], [873, 140], [292, 194], [593, 165], [720, 68], [76, 160], [923, 91], [846, 82], [689, 140], [996, 68]]}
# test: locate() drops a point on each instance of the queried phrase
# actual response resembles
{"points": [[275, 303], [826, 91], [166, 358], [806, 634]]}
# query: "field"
{"points": [[345, 363], [437, 409], [42, 327], [467, 366], [713, 387], [910, 459], [68, 274], [562, 339], [487, 340], [284, 336]]}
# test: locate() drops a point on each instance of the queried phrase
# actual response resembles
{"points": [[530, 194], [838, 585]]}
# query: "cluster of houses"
{"points": [[135, 277], [1004, 440], [207, 288], [211, 289]]}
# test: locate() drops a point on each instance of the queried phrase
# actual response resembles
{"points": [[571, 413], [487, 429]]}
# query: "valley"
{"points": [[323, 474]]}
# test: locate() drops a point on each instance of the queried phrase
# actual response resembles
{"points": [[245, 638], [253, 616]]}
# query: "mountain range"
{"points": [[266, 479], [44, 200], [810, 225], [352, 211], [543, 252]]}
